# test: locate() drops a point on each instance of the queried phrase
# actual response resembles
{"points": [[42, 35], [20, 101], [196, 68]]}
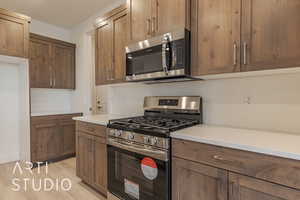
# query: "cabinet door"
{"points": [[140, 18], [40, 63], [67, 128], [63, 67], [215, 27], [246, 188], [104, 53], [85, 166], [120, 39], [14, 36], [100, 178], [194, 181], [46, 141], [270, 34], [171, 15]]}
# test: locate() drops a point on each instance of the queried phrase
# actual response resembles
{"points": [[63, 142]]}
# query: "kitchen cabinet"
{"points": [[248, 175], [52, 63], [244, 35], [247, 188], [52, 137], [85, 157], [215, 36], [194, 181], [112, 35], [91, 154], [149, 18], [270, 34], [14, 34]]}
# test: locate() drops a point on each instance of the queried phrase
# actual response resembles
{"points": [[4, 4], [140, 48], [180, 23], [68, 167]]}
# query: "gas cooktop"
{"points": [[159, 126]]}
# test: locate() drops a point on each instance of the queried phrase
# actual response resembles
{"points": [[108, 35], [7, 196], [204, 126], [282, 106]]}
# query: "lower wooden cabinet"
{"points": [[194, 181], [247, 188], [91, 154], [207, 172], [52, 137]]}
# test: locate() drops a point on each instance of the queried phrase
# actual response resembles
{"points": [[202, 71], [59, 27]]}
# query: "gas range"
{"points": [[162, 116], [139, 158]]}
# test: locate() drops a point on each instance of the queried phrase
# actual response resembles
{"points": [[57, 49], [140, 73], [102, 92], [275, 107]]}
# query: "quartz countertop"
{"points": [[271, 143], [101, 119]]}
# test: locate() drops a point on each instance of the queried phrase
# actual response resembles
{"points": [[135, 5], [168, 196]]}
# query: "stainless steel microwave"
{"points": [[163, 57]]}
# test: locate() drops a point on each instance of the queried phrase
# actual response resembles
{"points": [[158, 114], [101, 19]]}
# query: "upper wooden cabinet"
{"points": [[14, 34], [215, 30], [111, 37], [149, 18], [270, 34], [244, 35], [52, 63]]}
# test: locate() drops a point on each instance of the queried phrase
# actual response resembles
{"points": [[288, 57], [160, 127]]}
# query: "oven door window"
{"points": [[144, 61], [129, 181]]}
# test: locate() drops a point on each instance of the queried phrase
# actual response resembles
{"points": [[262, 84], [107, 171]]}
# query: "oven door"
{"points": [[134, 176]]}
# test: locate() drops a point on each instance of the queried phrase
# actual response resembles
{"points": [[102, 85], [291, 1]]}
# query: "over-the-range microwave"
{"points": [[164, 58]]}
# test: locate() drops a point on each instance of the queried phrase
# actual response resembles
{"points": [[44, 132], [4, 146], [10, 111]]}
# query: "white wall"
{"points": [[9, 107], [264, 103], [50, 30], [82, 35], [14, 108]]}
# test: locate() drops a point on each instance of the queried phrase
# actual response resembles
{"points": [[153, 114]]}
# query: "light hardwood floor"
{"points": [[60, 170]]}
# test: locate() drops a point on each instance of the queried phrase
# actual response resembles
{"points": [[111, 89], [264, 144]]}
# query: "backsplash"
{"points": [[50, 101], [265, 103]]}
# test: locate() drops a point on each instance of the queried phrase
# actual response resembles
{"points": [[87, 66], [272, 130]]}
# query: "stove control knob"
{"points": [[118, 133], [147, 139], [130, 136], [154, 141]]}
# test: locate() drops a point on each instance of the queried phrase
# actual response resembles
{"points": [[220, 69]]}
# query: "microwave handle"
{"points": [[166, 52]]}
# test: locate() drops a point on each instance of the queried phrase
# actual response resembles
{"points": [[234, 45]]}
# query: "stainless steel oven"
{"points": [[163, 57], [137, 171]]}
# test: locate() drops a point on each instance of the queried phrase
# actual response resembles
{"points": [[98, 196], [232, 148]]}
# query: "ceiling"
{"points": [[64, 13]]}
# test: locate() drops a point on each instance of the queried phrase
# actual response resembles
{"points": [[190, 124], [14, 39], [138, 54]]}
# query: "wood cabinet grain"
{"points": [[194, 181], [40, 63], [247, 188], [112, 35], [52, 63], [270, 34], [150, 18], [251, 175], [140, 19], [14, 34], [91, 152], [85, 157], [52, 137], [215, 36]]}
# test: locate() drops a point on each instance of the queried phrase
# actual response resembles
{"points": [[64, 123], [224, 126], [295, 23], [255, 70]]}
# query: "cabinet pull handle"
{"points": [[235, 53], [245, 52], [153, 24], [148, 26], [217, 157]]}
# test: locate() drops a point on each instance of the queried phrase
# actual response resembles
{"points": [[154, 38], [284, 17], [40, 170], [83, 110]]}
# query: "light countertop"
{"points": [[270, 143], [101, 119], [52, 113]]}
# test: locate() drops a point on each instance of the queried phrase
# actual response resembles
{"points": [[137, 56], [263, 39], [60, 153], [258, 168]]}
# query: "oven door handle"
{"points": [[154, 153]]}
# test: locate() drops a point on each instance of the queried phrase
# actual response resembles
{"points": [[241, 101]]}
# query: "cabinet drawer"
{"points": [[92, 129], [274, 169]]}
